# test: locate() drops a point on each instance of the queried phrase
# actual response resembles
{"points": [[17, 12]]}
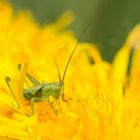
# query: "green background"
{"points": [[115, 18]]}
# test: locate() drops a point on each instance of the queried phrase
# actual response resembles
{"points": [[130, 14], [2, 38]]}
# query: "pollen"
{"points": [[45, 112]]}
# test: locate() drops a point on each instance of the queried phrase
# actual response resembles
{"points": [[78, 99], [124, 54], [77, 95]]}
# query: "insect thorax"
{"points": [[44, 91]]}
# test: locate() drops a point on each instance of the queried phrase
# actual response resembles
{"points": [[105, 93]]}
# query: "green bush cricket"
{"points": [[40, 92]]}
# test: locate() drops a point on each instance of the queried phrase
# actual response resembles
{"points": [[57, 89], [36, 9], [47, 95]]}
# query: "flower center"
{"points": [[45, 111]]}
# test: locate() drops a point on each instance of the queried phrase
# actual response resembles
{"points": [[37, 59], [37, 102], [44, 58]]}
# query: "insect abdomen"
{"points": [[31, 92]]}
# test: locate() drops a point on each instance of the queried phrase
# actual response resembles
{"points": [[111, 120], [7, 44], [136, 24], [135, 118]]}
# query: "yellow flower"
{"points": [[102, 98]]}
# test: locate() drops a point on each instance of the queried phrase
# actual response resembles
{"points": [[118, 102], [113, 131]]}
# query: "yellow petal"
{"points": [[133, 37], [20, 84], [136, 59], [63, 21]]}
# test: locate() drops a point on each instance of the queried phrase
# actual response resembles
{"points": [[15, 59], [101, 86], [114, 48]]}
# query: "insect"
{"points": [[40, 92]]}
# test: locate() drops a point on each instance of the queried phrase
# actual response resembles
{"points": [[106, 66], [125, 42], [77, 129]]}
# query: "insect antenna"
{"points": [[76, 45], [58, 71], [71, 55]]}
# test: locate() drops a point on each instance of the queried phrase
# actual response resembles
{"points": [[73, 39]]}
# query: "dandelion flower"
{"points": [[102, 98]]}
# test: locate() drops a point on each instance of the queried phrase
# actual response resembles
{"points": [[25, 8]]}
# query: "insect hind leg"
{"points": [[30, 77]]}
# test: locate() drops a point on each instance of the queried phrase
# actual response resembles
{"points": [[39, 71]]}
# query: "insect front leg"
{"points": [[62, 93], [63, 96]]}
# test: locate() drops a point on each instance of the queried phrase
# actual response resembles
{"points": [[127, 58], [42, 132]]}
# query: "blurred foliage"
{"points": [[115, 18]]}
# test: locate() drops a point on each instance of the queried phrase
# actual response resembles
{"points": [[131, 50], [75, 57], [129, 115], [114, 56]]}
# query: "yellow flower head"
{"points": [[98, 101]]}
